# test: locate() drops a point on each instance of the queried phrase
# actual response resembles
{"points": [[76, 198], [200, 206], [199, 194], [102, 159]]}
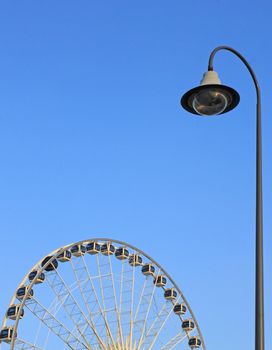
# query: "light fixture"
{"points": [[211, 97]]}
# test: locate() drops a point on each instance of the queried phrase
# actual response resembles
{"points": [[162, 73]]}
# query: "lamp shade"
{"points": [[210, 99]]}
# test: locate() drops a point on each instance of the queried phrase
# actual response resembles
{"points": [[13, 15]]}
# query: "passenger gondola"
{"points": [[170, 294], [65, 256], [122, 253], [160, 281], [78, 250], [6, 334], [40, 278], [107, 249], [194, 342], [52, 266], [24, 290], [135, 260], [188, 325], [13, 312], [148, 270], [180, 309], [93, 248]]}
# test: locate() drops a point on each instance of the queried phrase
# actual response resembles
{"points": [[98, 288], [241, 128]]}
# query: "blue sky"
{"points": [[94, 143]]}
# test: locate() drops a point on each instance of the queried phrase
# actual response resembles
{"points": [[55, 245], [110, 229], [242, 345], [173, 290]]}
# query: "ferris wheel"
{"points": [[99, 294]]}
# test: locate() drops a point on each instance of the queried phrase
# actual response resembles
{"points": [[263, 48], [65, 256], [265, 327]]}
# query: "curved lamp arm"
{"points": [[242, 58], [259, 298]]}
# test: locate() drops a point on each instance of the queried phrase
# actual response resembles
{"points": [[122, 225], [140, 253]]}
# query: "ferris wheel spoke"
{"points": [[102, 291], [140, 300], [56, 307], [160, 321], [52, 323], [126, 300], [53, 310], [24, 345], [94, 294], [174, 341], [38, 332], [66, 345], [121, 290], [84, 296], [47, 339], [93, 299], [156, 326], [134, 321], [69, 303], [120, 340], [131, 311], [147, 300], [101, 344], [121, 286]]}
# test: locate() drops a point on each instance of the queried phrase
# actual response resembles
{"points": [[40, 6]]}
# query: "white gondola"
{"points": [[93, 248], [160, 281], [170, 294], [24, 290], [180, 309], [65, 256], [78, 250], [135, 260], [188, 325], [40, 278], [107, 249], [6, 334], [13, 312], [194, 342], [122, 253], [148, 270], [52, 266]]}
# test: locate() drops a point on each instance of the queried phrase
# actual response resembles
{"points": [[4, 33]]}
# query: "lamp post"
{"points": [[209, 99]]}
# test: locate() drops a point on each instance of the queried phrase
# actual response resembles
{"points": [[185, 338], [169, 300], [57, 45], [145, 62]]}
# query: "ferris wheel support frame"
{"points": [[54, 254]]}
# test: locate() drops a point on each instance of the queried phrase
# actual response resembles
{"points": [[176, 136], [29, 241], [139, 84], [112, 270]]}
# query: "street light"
{"points": [[212, 98]]}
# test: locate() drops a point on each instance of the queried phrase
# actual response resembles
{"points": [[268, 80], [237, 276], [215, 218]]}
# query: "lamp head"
{"points": [[211, 97]]}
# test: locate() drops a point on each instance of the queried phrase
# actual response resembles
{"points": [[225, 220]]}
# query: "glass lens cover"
{"points": [[210, 102]]}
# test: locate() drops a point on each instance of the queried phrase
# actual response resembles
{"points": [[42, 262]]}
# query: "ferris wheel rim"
{"points": [[55, 253]]}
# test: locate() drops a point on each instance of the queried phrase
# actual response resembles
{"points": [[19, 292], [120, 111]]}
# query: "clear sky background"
{"points": [[94, 143]]}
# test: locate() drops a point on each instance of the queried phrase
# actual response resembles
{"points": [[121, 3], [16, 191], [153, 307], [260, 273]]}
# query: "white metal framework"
{"points": [[99, 294]]}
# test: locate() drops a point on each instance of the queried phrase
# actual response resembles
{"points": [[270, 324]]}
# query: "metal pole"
{"points": [[259, 311], [259, 286]]}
